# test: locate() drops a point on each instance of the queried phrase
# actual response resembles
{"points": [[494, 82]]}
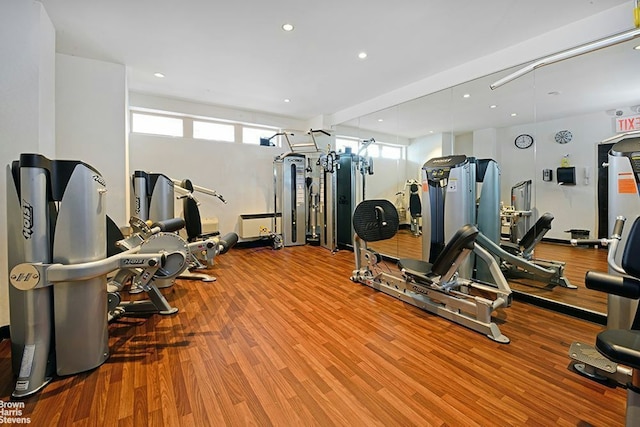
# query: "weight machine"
{"points": [[351, 177], [463, 190], [415, 205], [435, 287], [153, 199], [623, 171], [305, 192], [517, 216], [57, 232]]}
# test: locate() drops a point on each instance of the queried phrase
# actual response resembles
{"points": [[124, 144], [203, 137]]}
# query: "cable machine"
{"points": [[302, 192], [351, 176]]}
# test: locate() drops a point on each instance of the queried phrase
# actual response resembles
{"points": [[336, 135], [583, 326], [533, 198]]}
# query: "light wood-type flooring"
{"points": [[284, 338]]}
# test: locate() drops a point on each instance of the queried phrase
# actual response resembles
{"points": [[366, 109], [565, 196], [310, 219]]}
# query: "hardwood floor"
{"points": [[285, 338]]}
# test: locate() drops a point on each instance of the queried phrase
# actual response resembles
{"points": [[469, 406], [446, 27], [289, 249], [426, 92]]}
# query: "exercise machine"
{"points": [[153, 200], [351, 188], [152, 197], [434, 287], [448, 203], [415, 206], [464, 190], [619, 349], [537, 269], [587, 361], [328, 164], [517, 216], [623, 201], [203, 246], [159, 238], [306, 192], [290, 197], [57, 230]]}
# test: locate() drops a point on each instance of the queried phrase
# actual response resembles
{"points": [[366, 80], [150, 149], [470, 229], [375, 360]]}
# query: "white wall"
{"points": [[27, 41], [91, 114], [572, 206], [485, 144], [463, 144], [242, 173], [423, 149]]}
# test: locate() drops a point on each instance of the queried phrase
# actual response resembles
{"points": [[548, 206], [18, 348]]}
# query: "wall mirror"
{"points": [[581, 97]]}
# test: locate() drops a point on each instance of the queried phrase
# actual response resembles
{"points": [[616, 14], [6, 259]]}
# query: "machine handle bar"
{"points": [[168, 225]]}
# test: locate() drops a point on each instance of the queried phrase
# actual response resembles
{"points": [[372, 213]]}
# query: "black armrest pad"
{"points": [[621, 346], [627, 287]]}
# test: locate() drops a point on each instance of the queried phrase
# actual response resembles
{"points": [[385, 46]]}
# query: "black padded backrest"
{"points": [[630, 258], [191, 212], [535, 233], [415, 207], [463, 239], [375, 219]]}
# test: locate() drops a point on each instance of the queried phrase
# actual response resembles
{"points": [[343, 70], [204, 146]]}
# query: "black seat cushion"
{"points": [[539, 229], [463, 239], [621, 346], [420, 270]]}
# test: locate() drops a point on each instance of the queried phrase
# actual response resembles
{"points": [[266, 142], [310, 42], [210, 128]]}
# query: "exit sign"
{"points": [[627, 124]]}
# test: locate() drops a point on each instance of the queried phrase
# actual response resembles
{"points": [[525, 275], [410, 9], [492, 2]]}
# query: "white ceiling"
{"points": [[235, 54], [602, 81]]}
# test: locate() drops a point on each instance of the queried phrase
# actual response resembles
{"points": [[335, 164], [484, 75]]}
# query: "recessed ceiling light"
{"points": [[287, 27], [493, 106], [287, 100], [430, 131], [553, 93], [381, 120], [362, 55], [466, 95], [514, 114], [159, 75], [637, 47]]}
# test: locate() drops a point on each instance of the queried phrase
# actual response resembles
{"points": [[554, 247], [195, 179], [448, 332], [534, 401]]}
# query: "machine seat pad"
{"points": [[510, 247], [621, 346], [416, 268]]}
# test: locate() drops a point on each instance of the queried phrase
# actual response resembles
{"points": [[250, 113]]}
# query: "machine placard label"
{"points": [[453, 185], [626, 184]]}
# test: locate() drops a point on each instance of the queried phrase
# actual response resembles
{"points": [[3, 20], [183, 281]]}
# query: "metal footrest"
{"points": [[588, 355]]}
